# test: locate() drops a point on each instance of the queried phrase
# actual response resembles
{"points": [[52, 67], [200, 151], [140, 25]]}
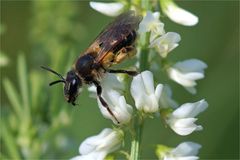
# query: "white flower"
{"points": [[166, 43], [112, 90], [117, 105], [97, 147], [184, 151], [142, 90], [151, 23], [110, 81], [187, 72], [166, 100], [109, 9], [177, 14], [182, 120]]}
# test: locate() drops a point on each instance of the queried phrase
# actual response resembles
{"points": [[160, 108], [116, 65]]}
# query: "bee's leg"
{"points": [[125, 52], [131, 73], [103, 102]]}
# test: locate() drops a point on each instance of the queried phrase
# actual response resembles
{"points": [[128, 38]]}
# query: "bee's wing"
{"points": [[115, 33]]}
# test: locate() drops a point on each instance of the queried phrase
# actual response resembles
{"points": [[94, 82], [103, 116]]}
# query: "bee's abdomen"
{"points": [[127, 41]]}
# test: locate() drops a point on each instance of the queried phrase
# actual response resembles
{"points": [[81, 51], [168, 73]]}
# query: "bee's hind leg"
{"points": [[124, 53]]}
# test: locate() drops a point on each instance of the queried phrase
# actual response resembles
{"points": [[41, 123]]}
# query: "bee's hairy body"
{"points": [[89, 70], [112, 46]]}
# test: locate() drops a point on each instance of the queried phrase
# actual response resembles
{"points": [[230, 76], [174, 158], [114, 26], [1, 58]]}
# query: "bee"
{"points": [[113, 45]]}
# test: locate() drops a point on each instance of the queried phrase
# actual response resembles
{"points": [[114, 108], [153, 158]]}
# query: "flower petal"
{"points": [[89, 144], [109, 9], [166, 100], [181, 158], [184, 127], [158, 91], [117, 105], [180, 78], [193, 75], [180, 15], [144, 24], [98, 146], [91, 156], [142, 90], [191, 90], [186, 149], [190, 109], [147, 78], [191, 65], [151, 23], [187, 72], [166, 43], [138, 91]]}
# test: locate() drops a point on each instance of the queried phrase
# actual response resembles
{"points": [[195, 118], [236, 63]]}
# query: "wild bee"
{"points": [[113, 45]]}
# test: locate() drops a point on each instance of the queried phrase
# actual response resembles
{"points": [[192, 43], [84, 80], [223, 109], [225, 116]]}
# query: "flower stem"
{"points": [[138, 124], [144, 53], [143, 59], [135, 144]]}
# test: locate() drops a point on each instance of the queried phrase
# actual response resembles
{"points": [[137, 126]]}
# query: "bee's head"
{"points": [[71, 87], [72, 84]]}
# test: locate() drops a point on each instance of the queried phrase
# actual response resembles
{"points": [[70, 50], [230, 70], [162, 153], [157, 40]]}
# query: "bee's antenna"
{"points": [[54, 72], [55, 82]]}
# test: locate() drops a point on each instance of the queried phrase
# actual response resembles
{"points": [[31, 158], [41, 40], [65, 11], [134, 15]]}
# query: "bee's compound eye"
{"points": [[74, 81]]}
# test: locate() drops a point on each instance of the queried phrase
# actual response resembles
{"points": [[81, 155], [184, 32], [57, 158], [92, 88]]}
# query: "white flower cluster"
{"points": [[163, 42], [147, 98], [142, 90], [184, 73]]}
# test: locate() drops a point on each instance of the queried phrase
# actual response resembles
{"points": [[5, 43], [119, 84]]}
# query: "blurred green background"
{"points": [[55, 33]]}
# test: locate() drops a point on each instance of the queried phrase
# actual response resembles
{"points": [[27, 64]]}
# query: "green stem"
{"points": [[144, 59], [135, 144], [138, 125], [143, 65], [144, 52]]}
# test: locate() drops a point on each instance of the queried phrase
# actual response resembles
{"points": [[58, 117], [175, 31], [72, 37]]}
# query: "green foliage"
{"points": [[29, 127], [25, 130]]}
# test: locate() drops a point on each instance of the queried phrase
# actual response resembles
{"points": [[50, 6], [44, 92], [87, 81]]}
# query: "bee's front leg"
{"points": [[103, 102]]}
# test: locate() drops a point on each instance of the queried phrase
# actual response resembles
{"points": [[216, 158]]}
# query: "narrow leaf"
{"points": [[36, 86], [23, 82], [13, 97], [9, 142]]}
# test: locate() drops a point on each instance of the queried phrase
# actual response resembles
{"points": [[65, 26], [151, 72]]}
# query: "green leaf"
{"points": [[13, 97], [9, 142], [23, 82], [36, 86]]}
